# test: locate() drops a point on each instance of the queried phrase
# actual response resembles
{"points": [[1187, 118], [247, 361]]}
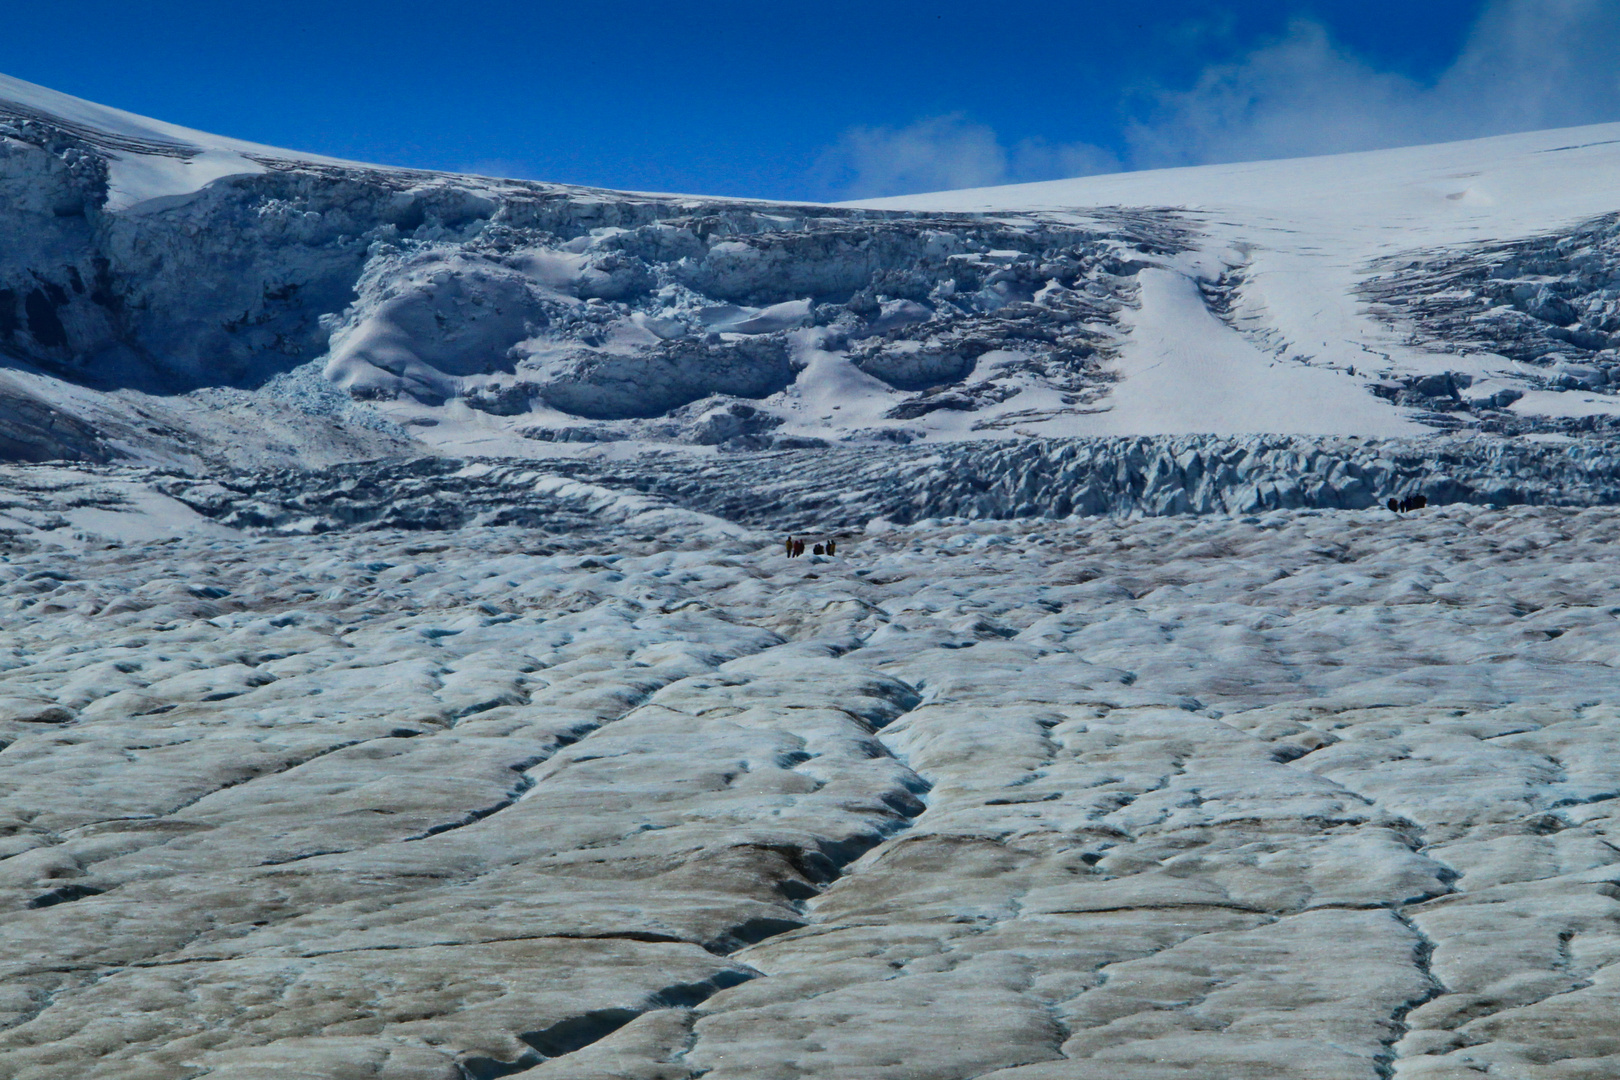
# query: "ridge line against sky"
{"points": [[835, 100], [1524, 65]]}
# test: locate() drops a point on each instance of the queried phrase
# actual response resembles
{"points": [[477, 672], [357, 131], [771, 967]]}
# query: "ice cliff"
{"points": [[171, 298]]}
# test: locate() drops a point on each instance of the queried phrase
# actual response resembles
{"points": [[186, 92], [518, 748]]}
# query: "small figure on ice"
{"points": [[1407, 504]]}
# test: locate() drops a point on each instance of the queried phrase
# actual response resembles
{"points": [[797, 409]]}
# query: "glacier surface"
{"points": [[403, 677], [619, 790]]}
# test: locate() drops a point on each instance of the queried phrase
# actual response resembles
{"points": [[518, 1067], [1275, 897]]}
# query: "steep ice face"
{"points": [[140, 159], [635, 323], [1551, 301], [722, 303], [548, 305], [223, 286], [967, 480], [155, 268]]}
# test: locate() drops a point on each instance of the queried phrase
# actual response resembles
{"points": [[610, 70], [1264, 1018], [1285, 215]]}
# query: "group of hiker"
{"points": [[1408, 504], [795, 547]]}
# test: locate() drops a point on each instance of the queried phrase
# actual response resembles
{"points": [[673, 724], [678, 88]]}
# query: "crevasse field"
{"points": [[402, 677]]}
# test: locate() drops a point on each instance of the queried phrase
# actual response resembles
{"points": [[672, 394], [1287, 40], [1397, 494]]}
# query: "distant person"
{"points": [[832, 547], [790, 545], [819, 550]]}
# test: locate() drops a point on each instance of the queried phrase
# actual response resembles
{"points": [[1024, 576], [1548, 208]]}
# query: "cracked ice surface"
{"points": [[1310, 795]]}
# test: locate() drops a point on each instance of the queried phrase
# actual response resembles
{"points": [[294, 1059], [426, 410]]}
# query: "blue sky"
{"points": [[831, 99]]}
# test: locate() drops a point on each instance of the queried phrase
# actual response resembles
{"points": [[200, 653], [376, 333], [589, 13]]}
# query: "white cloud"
{"points": [[1526, 64], [945, 152], [1036, 159], [497, 168]]}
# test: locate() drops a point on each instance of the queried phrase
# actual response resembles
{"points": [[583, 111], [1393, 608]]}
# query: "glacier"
{"points": [[156, 274], [403, 674]]}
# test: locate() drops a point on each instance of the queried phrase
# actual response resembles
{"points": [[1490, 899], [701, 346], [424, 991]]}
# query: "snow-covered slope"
{"points": [[1496, 259], [167, 295]]}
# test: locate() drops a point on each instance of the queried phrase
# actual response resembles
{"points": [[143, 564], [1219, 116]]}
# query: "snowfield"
{"points": [[402, 676]]}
